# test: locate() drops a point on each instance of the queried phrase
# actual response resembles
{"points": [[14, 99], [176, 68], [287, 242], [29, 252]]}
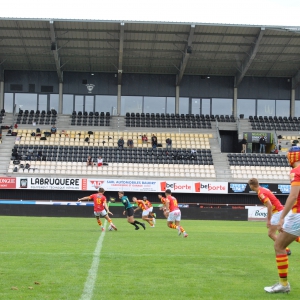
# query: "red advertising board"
{"points": [[7, 183]]}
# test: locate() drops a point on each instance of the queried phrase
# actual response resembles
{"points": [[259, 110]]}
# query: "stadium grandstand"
{"points": [[204, 86]]}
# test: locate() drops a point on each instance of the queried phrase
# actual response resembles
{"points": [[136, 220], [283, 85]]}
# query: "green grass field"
{"points": [[55, 258]]}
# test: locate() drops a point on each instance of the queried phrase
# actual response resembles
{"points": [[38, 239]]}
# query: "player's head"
{"points": [[121, 194], [145, 198], [293, 155], [159, 196], [168, 192], [253, 184], [134, 199], [101, 190]]}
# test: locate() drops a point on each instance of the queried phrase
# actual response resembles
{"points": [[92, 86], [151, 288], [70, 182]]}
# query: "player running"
{"points": [[273, 205], [100, 207], [128, 209], [163, 205], [142, 205], [149, 204], [173, 213]]}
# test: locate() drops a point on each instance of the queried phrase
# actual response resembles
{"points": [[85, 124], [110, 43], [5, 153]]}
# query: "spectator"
{"points": [[154, 141], [53, 129], [130, 143], [244, 145], [100, 161], [121, 143], [38, 132], [40, 154], [89, 161], [262, 144], [168, 143], [16, 126], [29, 153], [144, 139]]}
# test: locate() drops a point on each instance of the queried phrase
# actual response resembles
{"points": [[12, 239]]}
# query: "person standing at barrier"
{"points": [[274, 208], [128, 209], [288, 225], [173, 213], [100, 207], [262, 144]]}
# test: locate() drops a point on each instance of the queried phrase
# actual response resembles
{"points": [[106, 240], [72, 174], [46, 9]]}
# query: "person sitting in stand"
{"points": [[154, 141], [53, 129], [168, 143], [144, 139], [130, 143], [89, 161], [121, 143], [100, 161]]}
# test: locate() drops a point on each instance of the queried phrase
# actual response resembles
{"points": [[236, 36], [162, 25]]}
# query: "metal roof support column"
{"points": [[121, 46], [119, 99], [247, 63], [55, 51], [235, 91], [1, 87], [186, 55], [292, 104], [60, 97], [177, 92]]}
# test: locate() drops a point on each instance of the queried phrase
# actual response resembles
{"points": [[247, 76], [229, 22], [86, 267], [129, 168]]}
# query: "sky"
{"points": [[264, 12]]}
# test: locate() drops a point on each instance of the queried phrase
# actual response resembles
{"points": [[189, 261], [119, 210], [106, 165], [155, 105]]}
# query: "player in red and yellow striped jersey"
{"points": [[288, 225], [273, 205], [145, 214], [149, 204], [163, 207], [173, 213], [100, 207]]}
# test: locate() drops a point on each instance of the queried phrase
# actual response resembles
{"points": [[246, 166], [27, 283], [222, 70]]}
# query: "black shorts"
{"points": [[129, 212]]}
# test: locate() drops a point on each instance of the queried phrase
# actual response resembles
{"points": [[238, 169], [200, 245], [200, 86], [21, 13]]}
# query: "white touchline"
{"points": [[92, 275]]}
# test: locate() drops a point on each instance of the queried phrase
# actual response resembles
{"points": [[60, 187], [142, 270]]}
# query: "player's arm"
{"points": [[138, 207], [106, 207], [87, 198], [167, 203], [290, 201], [269, 206]]}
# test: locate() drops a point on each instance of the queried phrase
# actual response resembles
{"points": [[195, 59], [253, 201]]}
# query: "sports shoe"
{"points": [[179, 230], [278, 288], [153, 221], [185, 235], [102, 228], [113, 226], [137, 228], [152, 226], [288, 251], [143, 225]]}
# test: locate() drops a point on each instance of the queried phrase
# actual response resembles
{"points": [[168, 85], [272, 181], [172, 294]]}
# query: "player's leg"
{"points": [[145, 217], [132, 221], [109, 220], [97, 215], [177, 223], [284, 238]]}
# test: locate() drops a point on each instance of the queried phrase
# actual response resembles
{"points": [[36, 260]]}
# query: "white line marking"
{"points": [[87, 293]]}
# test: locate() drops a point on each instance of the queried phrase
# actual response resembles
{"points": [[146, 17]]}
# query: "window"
{"points": [[247, 107], [170, 109], [221, 106], [42, 103], [154, 104], [106, 104], [89, 104], [68, 104], [54, 100], [266, 107], [184, 105], [131, 104], [205, 106], [195, 106], [297, 108], [283, 108], [78, 104], [26, 101], [9, 102]]}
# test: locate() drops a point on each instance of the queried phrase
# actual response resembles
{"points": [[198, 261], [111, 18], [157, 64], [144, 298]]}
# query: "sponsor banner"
{"points": [[257, 213], [243, 188], [7, 182], [253, 137], [204, 187], [19, 202], [48, 183]]}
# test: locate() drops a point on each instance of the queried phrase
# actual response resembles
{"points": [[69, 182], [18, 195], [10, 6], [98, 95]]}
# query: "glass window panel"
{"points": [[184, 105], [205, 107], [78, 103], [131, 104], [246, 107], [297, 108], [283, 108], [26, 101], [170, 109], [195, 109], [67, 104], [89, 104], [266, 107], [221, 106], [154, 104], [9, 103], [106, 104], [54, 101], [42, 104]]}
